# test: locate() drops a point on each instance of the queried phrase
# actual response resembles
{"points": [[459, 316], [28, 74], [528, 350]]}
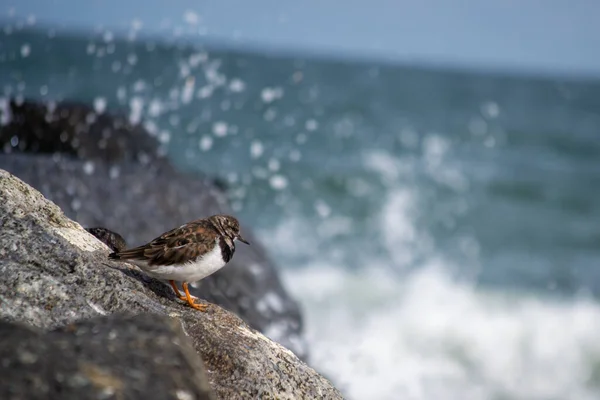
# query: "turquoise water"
{"points": [[440, 227]]}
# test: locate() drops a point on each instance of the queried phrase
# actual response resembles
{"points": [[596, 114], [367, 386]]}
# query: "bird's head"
{"points": [[228, 226]]}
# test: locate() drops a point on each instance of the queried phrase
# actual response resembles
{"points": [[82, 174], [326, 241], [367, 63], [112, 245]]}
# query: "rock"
{"points": [[75, 129], [145, 202], [54, 273], [137, 201], [104, 172], [115, 357]]}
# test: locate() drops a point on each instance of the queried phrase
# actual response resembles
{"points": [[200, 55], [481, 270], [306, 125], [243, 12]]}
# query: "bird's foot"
{"points": [[199, 307], [190, 299], [178, 293]]}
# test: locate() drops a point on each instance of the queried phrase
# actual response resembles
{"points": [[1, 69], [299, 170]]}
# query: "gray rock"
{"points": [[53, 273], [105, 172], [115, 357], [140, 203]]}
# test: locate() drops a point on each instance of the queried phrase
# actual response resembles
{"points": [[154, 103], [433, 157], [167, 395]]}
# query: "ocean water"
{"points": [[440, 228]]}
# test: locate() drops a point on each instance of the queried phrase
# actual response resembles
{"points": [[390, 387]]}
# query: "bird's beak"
{"points": [[241, 239]]}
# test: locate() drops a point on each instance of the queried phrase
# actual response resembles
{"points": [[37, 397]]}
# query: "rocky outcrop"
{"points": [[53, 273], [114, 357], [104, 172], [75, 129]]}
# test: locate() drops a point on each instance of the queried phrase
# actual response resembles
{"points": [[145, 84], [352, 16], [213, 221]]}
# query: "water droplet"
{"points": [[154, 108], [139, 86], [114, 172], [164, 137], [132, 59], [322, 209], [278, 182], [301, 138], [121, 93], [108, 36], [136, 105], [311, 125], [205, 143], [116, 66], [269, 94], [490, 109], [188, 90], [256, 149], [259, 172], [295, 155], [136, 24], [191, 17], [205, 91], [270, 114], [274, 165], [477, 126], [88, 167], [25, 50], [99, 105], [76, 204], [220, 129], [237, 85]]}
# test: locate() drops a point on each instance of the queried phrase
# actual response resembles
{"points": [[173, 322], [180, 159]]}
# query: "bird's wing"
{"points": [[175, 246]]}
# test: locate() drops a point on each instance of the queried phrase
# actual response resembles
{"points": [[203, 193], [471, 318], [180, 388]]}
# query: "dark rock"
{"points": [[105, 172], [53, 273], [145, 202], [115, 357], [77, 130]]}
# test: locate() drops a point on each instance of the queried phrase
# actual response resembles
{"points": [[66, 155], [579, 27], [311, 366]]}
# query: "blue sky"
{"points": [[530, 35]]}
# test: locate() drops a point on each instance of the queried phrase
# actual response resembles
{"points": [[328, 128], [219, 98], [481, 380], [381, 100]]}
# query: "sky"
{"points": [[556, 36]]}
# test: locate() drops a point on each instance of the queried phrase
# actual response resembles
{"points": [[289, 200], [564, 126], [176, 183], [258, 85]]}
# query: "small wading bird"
{"points": [[188, 253]]}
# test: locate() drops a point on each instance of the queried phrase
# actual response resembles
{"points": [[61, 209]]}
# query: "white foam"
{"points": [[426, 336], [403, 328]]}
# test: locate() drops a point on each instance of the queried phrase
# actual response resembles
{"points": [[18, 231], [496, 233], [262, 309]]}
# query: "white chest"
{"points": [[191, 271]]}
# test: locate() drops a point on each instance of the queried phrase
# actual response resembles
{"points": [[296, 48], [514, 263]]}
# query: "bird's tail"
{"points": [[128, 254]]}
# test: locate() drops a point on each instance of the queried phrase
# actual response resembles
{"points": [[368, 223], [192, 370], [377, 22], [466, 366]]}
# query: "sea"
{"points": [[440, 227]]}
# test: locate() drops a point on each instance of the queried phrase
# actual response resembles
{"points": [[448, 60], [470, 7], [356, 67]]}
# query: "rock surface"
{"points": [[104, 172], [54, 273], [77, 130], [115, 357]]}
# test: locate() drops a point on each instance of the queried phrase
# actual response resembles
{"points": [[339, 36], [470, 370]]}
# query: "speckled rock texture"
{"points": [[54, 273], [114, 357], [104, 172]]}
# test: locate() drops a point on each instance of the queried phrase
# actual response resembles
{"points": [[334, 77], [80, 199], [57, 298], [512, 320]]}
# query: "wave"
{"points": [[408, 326], [429, 336]]}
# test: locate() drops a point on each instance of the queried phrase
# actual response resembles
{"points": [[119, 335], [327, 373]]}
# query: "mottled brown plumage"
{"points": [[187, 251]]}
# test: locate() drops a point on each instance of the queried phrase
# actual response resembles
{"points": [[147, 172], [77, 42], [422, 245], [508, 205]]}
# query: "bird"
{"points": [[113, 240], [188, 253]]}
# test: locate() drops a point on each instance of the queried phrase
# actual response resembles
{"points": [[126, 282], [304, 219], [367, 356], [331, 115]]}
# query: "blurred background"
{"points": [[425, 174]]}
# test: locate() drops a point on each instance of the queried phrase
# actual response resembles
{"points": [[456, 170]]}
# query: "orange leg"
{"points": [[200, 307], [177, 293]]}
